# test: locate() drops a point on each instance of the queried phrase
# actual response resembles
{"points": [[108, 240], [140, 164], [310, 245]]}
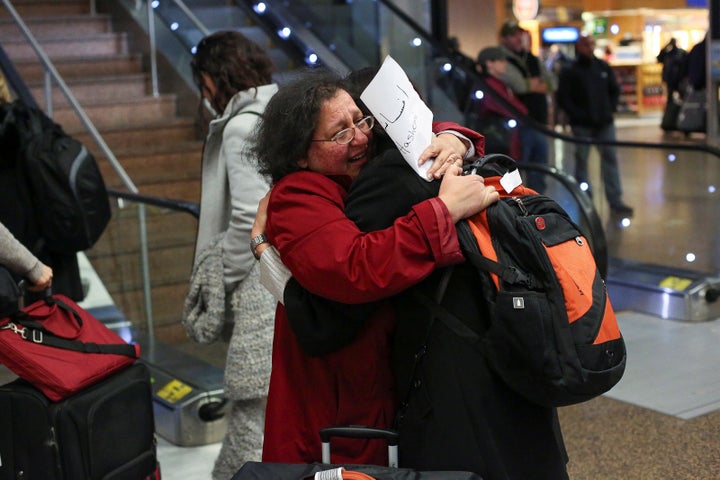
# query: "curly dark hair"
{"points": [[234, 63], [283, 134]]}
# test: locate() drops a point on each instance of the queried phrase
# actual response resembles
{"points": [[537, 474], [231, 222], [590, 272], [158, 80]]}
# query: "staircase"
{"points": [[159, 149]]}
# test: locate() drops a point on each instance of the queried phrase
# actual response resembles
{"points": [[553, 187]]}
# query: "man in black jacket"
{"points": [[588, 92]]}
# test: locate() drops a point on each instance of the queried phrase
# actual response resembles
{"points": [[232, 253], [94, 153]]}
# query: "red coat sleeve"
{"points": [[331, 257], [477, 138]]}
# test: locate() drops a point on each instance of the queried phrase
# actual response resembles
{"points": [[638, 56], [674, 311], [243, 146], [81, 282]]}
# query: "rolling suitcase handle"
{"points": [[390, 436]]}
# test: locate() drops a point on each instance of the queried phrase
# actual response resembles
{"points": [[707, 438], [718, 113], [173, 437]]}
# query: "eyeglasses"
{"points": [[345, 136]]}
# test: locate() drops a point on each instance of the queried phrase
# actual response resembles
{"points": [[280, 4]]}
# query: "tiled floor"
{"points": [[672, 367]]}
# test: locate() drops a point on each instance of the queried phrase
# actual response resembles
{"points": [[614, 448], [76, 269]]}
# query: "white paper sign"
{"points": [[398, 108]]}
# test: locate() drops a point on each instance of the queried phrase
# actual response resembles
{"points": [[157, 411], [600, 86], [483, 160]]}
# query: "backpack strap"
{"points": [[451, 321], [426, 302], [469, 246], [509, 274]]}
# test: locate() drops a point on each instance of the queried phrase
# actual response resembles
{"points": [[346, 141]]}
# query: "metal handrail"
{"points": [[51, 73], [193, 208]]}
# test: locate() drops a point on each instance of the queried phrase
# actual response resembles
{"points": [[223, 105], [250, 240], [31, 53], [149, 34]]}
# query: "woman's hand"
{"points": [[260, 221], [44, 281], [446, 150], [465, 195]]}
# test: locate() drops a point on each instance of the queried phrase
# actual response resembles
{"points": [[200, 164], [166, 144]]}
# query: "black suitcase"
{"points": [[106, 432], [287, 471]]}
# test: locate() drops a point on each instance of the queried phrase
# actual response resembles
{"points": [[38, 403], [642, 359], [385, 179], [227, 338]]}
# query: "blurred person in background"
{"points": [[589, 92]]}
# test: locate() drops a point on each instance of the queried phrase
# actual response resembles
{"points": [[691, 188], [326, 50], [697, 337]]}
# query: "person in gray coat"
{"points": [[19, 260], [234, 76]]}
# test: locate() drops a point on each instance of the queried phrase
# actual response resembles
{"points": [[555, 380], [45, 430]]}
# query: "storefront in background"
{"points": [[629, 40]]}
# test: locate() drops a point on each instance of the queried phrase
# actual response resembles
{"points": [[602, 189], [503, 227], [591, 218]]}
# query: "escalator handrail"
{"points": [[193, 208]]}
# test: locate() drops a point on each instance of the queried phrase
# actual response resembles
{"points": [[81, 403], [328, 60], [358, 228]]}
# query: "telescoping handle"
{"points": [[355, 431]]}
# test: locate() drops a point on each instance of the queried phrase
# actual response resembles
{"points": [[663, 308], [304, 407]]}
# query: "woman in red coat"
{"points": [[313, 141]]}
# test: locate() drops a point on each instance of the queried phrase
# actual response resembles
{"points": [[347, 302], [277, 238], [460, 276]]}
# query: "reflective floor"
{"points": [[675, 194]]}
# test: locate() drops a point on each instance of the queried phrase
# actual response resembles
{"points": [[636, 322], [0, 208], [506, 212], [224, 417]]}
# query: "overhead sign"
{"points": [[560, 34]]}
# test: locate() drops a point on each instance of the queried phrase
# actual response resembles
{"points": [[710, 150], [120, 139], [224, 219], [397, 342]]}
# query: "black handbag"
{"points": [[693, 112]]}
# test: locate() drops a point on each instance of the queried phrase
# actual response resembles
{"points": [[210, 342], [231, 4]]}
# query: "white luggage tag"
{"points": [[334, 474], [511, 180]]}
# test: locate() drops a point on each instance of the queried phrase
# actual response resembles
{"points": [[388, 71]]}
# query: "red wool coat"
{"points": [[331, 257]]}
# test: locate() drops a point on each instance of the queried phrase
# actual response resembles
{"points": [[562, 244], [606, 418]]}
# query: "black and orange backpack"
{"points": [[553, 335]]}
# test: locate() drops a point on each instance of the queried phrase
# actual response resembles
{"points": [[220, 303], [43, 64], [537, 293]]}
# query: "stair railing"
{"points": [[152, 38], [51, 74]]}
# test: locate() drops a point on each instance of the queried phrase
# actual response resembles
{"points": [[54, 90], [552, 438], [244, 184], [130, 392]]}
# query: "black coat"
{"points": [[588, 92], [457, 414], [18, 213]]}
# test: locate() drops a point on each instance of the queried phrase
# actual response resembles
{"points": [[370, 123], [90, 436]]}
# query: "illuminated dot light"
{"points": [[311, 59], [512, 123], [711, 189], [672, 157], [416, 42], [584, 186], [447, 67], [174, 26], [479, 94], [260, 8], [625, 222], [690, 257], [284, 33], [155, 4]]}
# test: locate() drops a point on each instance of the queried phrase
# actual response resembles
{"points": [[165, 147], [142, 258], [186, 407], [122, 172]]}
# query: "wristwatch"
{"points": [[255, 242]]}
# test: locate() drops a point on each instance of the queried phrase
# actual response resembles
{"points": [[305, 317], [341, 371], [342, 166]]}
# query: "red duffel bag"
{"points": [[60, 348]]}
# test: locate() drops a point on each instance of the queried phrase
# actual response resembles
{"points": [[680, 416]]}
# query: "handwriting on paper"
{"points": [[399, 109]]}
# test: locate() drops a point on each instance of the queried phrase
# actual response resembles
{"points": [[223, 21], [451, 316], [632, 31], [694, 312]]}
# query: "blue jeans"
{"points": [[535, 150], [609, 170]]}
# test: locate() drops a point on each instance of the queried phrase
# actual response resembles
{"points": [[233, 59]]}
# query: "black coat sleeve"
{"points": [[385, 190]]}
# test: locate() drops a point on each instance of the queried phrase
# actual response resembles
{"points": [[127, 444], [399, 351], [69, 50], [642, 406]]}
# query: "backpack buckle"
{"points": [[515, 276]]}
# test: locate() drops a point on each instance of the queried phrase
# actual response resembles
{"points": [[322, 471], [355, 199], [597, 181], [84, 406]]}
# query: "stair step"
{"points": [[90, 66], [45, 8], [170, 130], [49, 27], [167, 166], [122, 270], [129, 111], [95, 89], [165, 228], [188, 190], [68, 46]]}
